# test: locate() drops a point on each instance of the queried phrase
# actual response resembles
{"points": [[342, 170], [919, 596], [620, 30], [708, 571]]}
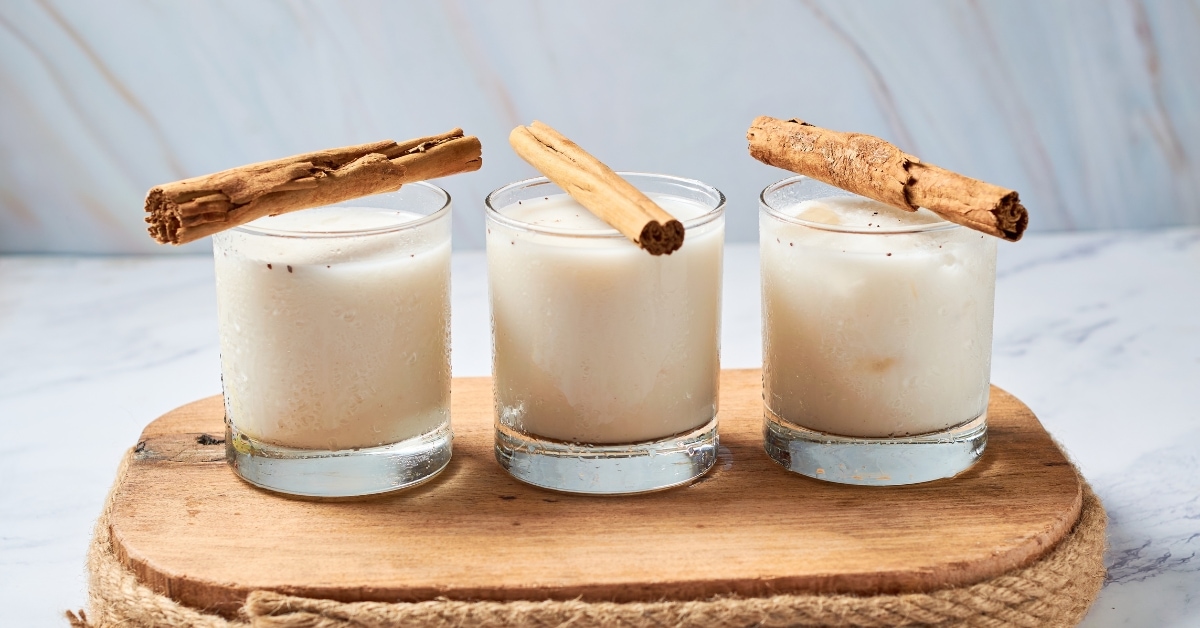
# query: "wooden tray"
{"points": [[185, 524]]}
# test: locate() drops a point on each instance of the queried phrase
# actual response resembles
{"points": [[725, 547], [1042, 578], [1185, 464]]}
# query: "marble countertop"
{"points": [[1098, 333]]}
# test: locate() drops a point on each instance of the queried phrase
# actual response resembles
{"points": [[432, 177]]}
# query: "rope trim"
{"points": [[1054, 591]]}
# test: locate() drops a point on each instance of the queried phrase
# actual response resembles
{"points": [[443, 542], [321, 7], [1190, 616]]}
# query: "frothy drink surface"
{"points": [[596, 341], [855, 211], [334, 343], [875, 334]]}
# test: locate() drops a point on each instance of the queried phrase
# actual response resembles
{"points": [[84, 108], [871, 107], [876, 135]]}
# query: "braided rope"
{"points": [[1054, 591]]}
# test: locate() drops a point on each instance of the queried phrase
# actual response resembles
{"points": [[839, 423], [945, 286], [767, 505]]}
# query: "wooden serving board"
{"points": [[189, 528]]}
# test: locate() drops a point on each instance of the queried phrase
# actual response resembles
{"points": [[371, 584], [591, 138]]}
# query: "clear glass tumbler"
{"points": [[335, 344], [606, 358], [877, 336]]}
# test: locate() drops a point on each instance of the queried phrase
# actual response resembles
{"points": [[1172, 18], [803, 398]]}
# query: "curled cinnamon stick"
{"points": [[598, 188], [187, 210], [873, 168]]}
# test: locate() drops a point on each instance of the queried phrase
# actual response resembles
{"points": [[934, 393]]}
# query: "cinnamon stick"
{"points": [[187, 210], [873, 168], [602, 191]]}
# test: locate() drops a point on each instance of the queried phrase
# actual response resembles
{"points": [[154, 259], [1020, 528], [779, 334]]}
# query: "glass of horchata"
{"points": [[606, 358], [335, 353], [877, 336]]}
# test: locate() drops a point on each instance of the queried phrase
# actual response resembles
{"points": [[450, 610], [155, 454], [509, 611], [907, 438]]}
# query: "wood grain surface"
{"points": [[188, 527]]}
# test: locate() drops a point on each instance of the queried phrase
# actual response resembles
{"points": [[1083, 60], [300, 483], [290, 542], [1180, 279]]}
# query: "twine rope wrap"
{"points": [[1056, 590]]}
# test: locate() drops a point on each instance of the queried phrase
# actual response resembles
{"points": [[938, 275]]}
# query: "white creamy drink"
{"points": [[597, 341], [870, 331], [335, 343]]}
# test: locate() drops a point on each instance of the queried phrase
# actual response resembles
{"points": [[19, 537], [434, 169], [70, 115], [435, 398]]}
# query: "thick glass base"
{"points": [[875, 461], [344, 473], [608, 469]]}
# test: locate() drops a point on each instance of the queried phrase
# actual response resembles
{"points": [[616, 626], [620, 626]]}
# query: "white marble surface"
{"points": [[1088, 108], [1099, 333]]}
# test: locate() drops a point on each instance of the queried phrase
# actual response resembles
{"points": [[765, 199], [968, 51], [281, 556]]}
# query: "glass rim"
{"points": [[352, 233], [777, 213], [493, 213]]}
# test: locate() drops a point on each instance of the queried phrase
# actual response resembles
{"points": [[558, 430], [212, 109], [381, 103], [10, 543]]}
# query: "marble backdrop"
{"points": [[1091, 109]]}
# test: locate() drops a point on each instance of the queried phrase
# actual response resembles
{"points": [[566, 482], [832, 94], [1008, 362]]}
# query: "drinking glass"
{"points": [[876, 341], [606, 358], [335, 344]]}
